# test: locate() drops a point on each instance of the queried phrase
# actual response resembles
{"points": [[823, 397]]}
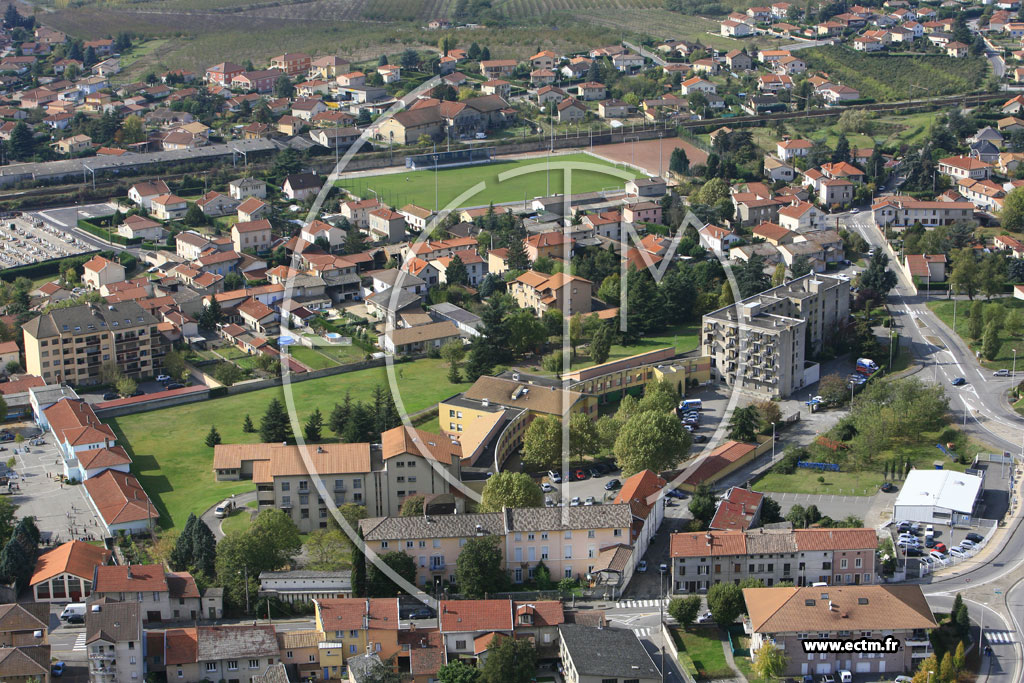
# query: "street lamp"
{"points": [[1013, 373], [246, 570], [435, 183]]}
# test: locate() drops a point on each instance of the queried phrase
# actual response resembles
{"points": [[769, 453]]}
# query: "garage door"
{"points": [[824, 668], [863, 667]]}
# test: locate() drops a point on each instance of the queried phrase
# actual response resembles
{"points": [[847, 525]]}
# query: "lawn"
{"points": [[173, 463], [684, 338], [417, 187], [704, 647], [1004, 358], [311, 357], [866, 482], [239, 519]]}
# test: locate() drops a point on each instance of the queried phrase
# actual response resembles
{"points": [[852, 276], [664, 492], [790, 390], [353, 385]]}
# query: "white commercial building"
{"points": [[937, 497]]}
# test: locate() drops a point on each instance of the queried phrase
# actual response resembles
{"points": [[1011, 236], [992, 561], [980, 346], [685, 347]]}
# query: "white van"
{"points": [[76, 608], [224, 509]]}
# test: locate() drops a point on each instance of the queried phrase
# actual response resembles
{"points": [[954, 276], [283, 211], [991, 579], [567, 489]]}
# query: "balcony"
{"points": [[339, 486]]}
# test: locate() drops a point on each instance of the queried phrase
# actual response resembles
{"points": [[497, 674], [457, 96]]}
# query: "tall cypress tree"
{"points": [[274, 425], [204, 549], [340, 415], [181, 555]]}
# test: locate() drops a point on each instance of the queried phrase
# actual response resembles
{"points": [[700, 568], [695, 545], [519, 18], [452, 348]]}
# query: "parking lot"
{"points": [[27, 240], [62, 511]]}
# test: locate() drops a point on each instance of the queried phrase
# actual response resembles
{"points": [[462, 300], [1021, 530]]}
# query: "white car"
{"points": [[574, 502], [956, 552], [967, 544], [546, 487], [929, 531], [589, 501], [903, 679], [704, 618], [163, 378], [641, 566]]}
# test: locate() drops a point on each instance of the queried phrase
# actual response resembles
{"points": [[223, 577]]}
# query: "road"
{"points": [[647, 54], [994, 585]]}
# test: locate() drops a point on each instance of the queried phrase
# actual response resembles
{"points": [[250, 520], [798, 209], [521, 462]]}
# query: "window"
{"points": [[181, 674], [286, 485], [858, 563], [383, 544], [412, 480], [543, 535], [568, 552], [591, 534], [568, 533], [437, 543], [289, 654], [617, 533], [312, 658], [423, 544], [354, 633], [568, 572], [357, 483], [842, 563], [408, 544], [351, 649], [460, 645]]}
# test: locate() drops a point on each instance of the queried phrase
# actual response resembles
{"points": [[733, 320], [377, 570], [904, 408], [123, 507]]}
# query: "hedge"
{"points": [[107, 234]]}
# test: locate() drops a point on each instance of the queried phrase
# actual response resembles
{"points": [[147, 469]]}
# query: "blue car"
{"points": [[57, 669], [959, 382]]}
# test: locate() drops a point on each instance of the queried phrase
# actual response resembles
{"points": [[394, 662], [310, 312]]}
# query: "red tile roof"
{"points": [[476, 615], [181, 646], [74, 557], [708, 543], [130, 578], [119, 498]]}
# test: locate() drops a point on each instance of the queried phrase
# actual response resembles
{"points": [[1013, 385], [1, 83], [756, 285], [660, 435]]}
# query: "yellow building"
{"points": [[349, 624], [610, 381], [301, 650]]}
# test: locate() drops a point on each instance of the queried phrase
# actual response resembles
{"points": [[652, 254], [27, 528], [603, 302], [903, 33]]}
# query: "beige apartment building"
{"points": [[114, 641], [799, 556], [527, 536], [564, 293], [72, 344], [379, 477], [761, 344], [788, 616]]}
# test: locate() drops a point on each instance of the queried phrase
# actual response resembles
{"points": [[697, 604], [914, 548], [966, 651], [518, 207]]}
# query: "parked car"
{"points": [[828, 678], [574, 502], [111, 396], [548, 503], [844, 675], [663, 567], [956, 552], [641, 566], [704, 618], [555, 477], [929, 531], [967, 543], [163, 378], [958, 381], [914, 552], [1001, 373], [941, 547], [937, 556], [930, 542], [904, 526], [579, 474], [676, 493], [699, 438], [57, 669], [688, 428], [974, 538], [174, 385], [887, 487], [589, 501], [612, 485], [594, 472], [546, 487], [75, 619]]}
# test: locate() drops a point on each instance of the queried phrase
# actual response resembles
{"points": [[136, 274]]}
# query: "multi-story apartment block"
{"points": [[800, 556], [902, 212], [526, 536], [350, 625], [218, 653], [114, 642], [161, 596], [788, 616], [761, 344], [567, 294], [72, 344]]}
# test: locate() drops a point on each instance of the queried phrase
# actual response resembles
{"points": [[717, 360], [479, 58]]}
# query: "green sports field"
{"points": [[417, 187]]}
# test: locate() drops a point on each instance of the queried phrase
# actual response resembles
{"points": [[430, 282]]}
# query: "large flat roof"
{"points": [[940, 488]]}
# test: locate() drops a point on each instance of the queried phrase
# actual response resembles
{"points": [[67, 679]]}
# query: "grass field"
{"points": [[239, 520], [1003, 359], [417, 187], [684, 338], [866, 482], [704, 646], [174, 465]]}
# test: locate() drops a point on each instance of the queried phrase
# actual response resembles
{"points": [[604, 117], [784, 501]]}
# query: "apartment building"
{"points": [[161, 596], [493, 414], [788, 616], [379, 477], [114, 640], [24, 624], [800, 556], [591, 655], [350, 625], [566, 294], [902, 212], [219, 653], [72, 344], [527, 536], [761, 345]]}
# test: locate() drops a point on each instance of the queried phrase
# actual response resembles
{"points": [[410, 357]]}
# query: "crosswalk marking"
{"points": [[643, 632], [999, 636], [632, 604], [79, 643]]}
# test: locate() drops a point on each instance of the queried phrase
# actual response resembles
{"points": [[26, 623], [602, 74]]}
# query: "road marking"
{"points": [[79, 643], [633, 604], [999, 636], [645, 632]]}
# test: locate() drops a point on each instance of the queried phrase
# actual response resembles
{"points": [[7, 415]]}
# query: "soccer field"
{"points": [[417, 187]]}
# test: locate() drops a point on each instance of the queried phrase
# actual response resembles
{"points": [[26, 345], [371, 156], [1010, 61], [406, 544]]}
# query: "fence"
{"points": [[685, 663]]}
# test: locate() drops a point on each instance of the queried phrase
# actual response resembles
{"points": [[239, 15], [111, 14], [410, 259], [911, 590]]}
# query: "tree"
{"points": [[453, 352], [517, 257], [479, 569], [1012, 215], [510, 660], [327, 549], [247, 427], [410, 59], [769, 412], [213, 437], [194, 216], [770, 661], [601, 344], [512, 490], [275, 427], [684, 610], [965, 278], [16, 565], [412, 506], [990, 341], [379, 584], [283, 87], [22, 144], [126, 386], [961, 618], [583, 437], [456, 273], [457, 671], [314, 424], [779, 276], [745, 423], [877, 277], [842, 150], [833, 389], [725, 600], [678, 163], [339, 417], [975, 321], [702, 505], [651, 441], [1014, 323], [771, 511], [801, 266]]}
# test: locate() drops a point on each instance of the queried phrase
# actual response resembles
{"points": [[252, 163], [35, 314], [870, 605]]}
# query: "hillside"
{"points": [[897, 77]]}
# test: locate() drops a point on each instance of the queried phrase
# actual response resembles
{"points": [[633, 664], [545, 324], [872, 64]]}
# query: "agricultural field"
{"points": [[889, 130], [174, 465], [898, 77], [417, 187]]}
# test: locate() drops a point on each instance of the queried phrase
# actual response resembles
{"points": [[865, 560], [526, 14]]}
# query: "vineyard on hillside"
{"points": [[897, 77]]}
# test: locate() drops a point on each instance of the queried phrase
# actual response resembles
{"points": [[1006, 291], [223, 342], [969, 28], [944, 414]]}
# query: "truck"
{"points": [[73, 609], [224, 509], [866, 366]]}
